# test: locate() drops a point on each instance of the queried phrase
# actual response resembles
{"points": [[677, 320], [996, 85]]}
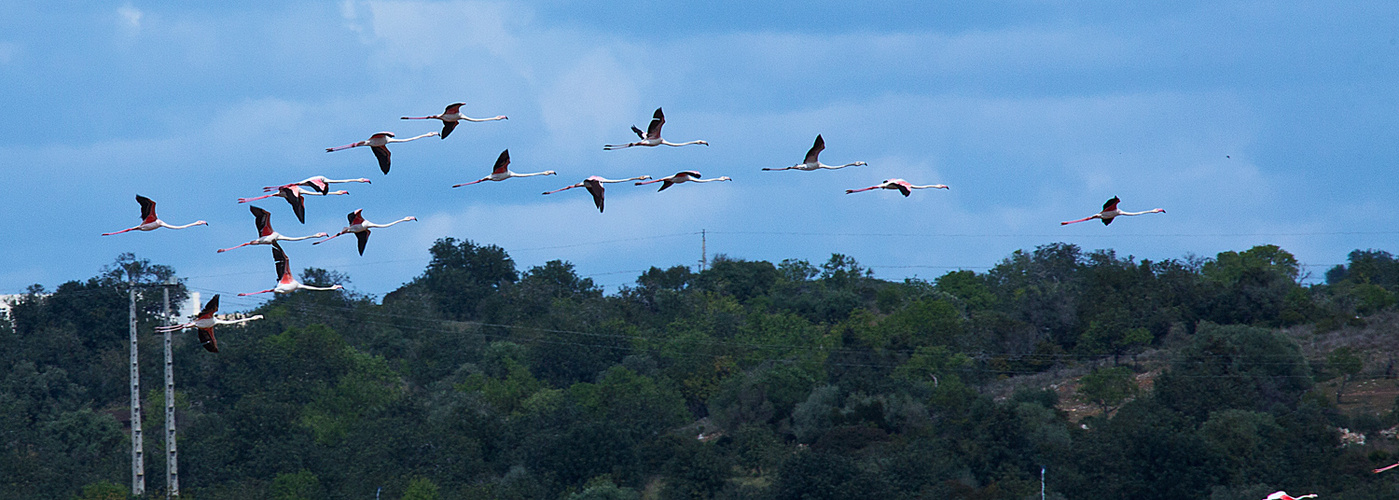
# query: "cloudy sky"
{"points": [[1249, 122]]}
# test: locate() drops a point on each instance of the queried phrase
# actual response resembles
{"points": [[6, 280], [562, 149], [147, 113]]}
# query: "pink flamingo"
{"points": [[1382, 469], [206, 322], [652, 137], [1111, 212], [286, 283], [319, 183], [679, 177], [451, 116], [149, 222], [379, 143], [594, 185], [813, 163], [361, 227], [1282, 495], [265, 234], [902, 185], [296, 197], [502, 171]]}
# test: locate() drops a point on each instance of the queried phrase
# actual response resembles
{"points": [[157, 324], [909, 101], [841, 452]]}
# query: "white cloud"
{"points": [[131, 16]]}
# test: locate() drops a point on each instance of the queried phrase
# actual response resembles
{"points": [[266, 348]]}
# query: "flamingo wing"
{"points": [[502, 163], [665, 185], [363, 237], [657, 120], [596, 189], [283, 262], [1107, 220], [206, 339], [147, 209], [263, 220], [298, 203], [382, 153], [447, 128], [1111, 204], [453, 108], [210, 308], [318, 184], [355, 217], [816, 148], [638, 131], [903, 189]]}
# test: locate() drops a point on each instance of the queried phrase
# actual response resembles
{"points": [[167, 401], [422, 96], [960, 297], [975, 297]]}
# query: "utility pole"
{"points": [[138, 463], [704, 251], [172, 474]]}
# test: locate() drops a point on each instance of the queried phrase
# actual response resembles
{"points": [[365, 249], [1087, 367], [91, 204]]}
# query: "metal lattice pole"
{"points": [[172, 474], [138, 465]]}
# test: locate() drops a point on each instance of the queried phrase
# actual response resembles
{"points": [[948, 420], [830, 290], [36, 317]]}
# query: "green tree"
{"points": [[1108, 387], [462, 275], [420, 488], [1345, 362], [301, 485]]}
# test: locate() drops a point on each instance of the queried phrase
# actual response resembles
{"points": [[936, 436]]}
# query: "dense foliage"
{"points": [[744, 380]]}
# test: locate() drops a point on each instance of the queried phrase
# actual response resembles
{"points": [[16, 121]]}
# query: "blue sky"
{"points": [[1249, 122]]}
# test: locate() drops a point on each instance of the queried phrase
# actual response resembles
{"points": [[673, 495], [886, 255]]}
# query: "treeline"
{"points": [[745, 380]]}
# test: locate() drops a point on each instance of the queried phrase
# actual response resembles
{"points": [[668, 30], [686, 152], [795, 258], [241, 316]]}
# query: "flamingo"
{"points": [[319, 183], [380, 144], [502, 171], [902, 185], [265, 234], [1111, 212], [1382, 469], [149, 222], [286, 283], [679, 177], [296, 197], [1282, 495], [206, 322], [361, 227], [594, 185], [652, 137], [451, 116], [812, 163]]}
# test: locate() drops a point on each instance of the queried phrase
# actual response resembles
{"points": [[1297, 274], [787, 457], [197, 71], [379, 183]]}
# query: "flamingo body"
{"points": [[451, 117], [901, 185], [296, 197], [379, 143], [361, 228], [286, 283], [501, 171], [150, 222], [652, 136], [205, 323], [1282, 495], [813, 161], [1111, 212], [265, 235], [319, 183]]}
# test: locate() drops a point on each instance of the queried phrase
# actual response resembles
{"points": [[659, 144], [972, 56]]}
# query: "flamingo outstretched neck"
{"points": [[361, 228], [652, 136], [501, 171], [149, 221], [681, 177], [901, 185], [594, 184], [1111, 212], [378, 143], [813, 162], [451, 117]]}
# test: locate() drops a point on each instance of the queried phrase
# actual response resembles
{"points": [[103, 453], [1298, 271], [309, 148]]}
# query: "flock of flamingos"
{"points": [[295, 193]]}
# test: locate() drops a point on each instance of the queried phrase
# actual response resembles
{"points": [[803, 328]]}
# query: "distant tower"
{"points": [[704, 252]]}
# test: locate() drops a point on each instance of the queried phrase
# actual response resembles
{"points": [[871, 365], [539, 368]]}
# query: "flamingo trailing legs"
{"points": [[379, 143], [265, 235], [502, 171], [679, 177], [149, 221], [1111, 212], [813, 162], [361, 228], [206, 322], [286, 283], [652, 137], [901, 185], [594, 185]]}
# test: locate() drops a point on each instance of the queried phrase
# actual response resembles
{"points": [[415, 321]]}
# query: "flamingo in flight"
{"points": [[652, 137], [361, 227], [902, 185], [813, 163], [594, 185], [265, 234], [206, 322], [679, 177], [451, 116], [319, 183], [286, 283], [502, 171], [379, 143], [296, 197], [149, 222], [1111, 212], [1282, 495], [1382, 469]]}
